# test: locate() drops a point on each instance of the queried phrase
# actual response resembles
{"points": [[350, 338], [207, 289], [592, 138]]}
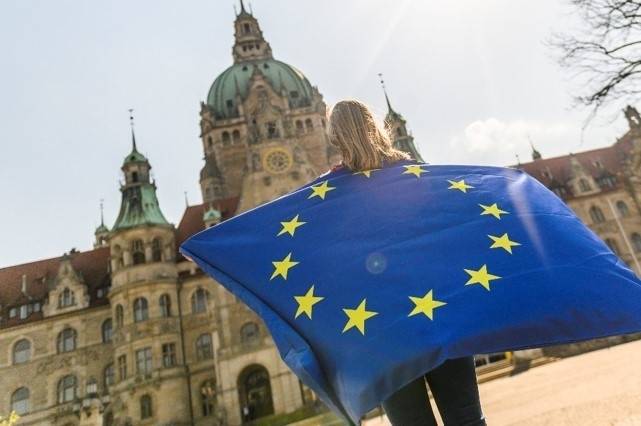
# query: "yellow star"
{"points": [[320, 190], [357, 317], [460, 185], [290, 227], [367, 173], [493, 210], [307, 302], [503, 242], [425, 305], [281, 267], [414, 169], [481, 277]]}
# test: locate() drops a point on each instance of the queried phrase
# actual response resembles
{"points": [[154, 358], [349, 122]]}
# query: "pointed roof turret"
{"points": [[139, 204], [536, 155], [249, 45]]}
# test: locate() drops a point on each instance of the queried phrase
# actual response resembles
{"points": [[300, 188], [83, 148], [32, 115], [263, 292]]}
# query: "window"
{"points": [[134, 177], [210, 143], [143, 361], [293, 94], [107, 331], [208, 395], [613, 245], [120, 314], [199, 301], [165, 306], [399, 131], [584, 185], [272, 130], [141, 313], [299, 126], [66, 298], [138, 252], [108, 376], [13, 312], [145, 407], [156, 250], [249, 333], [203, 347], [67, 340], [67, 389], [108, 419], [636, 242], [246, 28], [235, 136], [596, 214], [21, 351], [122, 367], [622, 207], [20, 401], [226, 138], [168, 355], [309, 125]]}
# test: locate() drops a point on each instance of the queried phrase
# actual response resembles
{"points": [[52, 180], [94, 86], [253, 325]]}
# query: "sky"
{"points": [[475, 80]]}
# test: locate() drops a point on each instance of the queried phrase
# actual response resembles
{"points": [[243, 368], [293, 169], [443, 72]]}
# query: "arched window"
{"points": [[134, 177], [165, 306], [399, 131], [66, 298], [309, 125], [156, 250], [208, 396], [145, 407], [107, 331], [246, 28], [613, 245], [67, 389], [108, 419], [249, 333], [67, 340], [584, 185], [210, 143], [138, 252], [204, 349], [20, 401], [596, 214], [141, 311], [120, 316], [636, 242], [226, 138], [199, 301], [622, 207], [21, 351], [108, 376], [235, 136], [299, 126]]}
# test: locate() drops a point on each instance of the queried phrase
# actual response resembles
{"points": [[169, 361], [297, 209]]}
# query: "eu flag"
{"points": [[368, 280]]}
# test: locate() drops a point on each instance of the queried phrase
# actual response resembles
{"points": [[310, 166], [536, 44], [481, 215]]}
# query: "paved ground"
{"points": [[599, 388]]}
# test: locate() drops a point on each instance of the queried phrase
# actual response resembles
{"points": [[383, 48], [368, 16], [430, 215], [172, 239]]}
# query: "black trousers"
{"points": [[455, 391]]}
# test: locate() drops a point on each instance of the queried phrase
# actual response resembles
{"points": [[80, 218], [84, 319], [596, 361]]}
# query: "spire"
{"points": [[102, 213], [536, 155], [133, 135], [242, 7], [389, 105], [249, 45]]}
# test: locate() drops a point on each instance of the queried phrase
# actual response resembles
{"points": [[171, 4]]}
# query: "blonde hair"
{"points": [[364, 143]]}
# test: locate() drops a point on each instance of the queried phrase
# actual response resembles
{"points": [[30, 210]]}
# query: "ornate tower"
{"points": [[396, 126], [262, 126], [147, 356]]}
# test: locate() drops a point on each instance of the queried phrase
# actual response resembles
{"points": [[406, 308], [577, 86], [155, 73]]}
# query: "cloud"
{"points": [[496, 142]]}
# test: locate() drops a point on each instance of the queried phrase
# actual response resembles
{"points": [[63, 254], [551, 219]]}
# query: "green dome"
{"points": [[102, 229], [236, 78]]}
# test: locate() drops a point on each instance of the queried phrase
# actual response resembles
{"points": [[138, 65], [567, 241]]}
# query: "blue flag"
{"points": [[369, 280]]}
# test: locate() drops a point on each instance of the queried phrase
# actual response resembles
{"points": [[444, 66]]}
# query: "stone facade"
{"points": [[131, 333]]}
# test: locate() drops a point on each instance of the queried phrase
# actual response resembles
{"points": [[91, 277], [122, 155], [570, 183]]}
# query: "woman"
{"points": [[365, 145]]}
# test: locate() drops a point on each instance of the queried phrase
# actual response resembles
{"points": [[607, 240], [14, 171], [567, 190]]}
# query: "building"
{"points": [[603, 187], [131, 333]]}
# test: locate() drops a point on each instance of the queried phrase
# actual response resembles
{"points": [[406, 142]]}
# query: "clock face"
{"points": [[277, 160]]}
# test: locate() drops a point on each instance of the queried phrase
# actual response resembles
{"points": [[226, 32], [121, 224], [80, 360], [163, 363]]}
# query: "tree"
{"points": [[605, 53]]}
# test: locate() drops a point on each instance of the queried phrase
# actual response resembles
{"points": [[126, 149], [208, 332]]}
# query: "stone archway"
{"points": [[255, 393]]}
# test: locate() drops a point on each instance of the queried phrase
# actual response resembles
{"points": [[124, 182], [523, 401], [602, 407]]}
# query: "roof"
{"points": [[192, 220], [139, 207], [91, 265], [235, 80], [556, 171]]}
